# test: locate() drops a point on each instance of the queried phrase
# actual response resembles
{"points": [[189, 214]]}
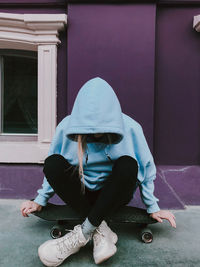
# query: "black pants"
{"points": [[96, 205]]}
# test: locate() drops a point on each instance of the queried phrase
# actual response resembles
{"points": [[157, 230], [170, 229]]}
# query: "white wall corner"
{"points": [[196, 23], [31, 29]]}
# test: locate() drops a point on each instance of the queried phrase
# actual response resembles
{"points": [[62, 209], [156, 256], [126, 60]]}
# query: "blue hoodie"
{"points": [[97, 110]]}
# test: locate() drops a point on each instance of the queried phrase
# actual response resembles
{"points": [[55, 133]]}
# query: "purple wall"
{"points": [[177, 109], [19, 180], [116, 43]]}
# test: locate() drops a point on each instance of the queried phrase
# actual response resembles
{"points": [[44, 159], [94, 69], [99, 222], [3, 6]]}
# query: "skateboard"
{"points": [[63, 214]]}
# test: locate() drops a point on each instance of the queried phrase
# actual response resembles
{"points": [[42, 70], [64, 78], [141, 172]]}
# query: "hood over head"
{"points": [[96, 110]]}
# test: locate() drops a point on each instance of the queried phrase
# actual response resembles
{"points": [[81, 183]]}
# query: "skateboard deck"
{"points": [[63, 214]]}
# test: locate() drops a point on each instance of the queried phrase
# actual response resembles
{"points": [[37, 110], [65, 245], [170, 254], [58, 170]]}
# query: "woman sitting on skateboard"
{"points": [[97, 158]]}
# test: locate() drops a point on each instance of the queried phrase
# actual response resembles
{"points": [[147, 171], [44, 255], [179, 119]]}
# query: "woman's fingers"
{"points": [[27, 207], [165, 215], [158, 219], [31, 210], [172, 222], [26, 211], [23, 212], [170, 218]]}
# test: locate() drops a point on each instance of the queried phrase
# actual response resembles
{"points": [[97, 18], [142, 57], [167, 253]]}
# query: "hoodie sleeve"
{"points": [[46, 191], [148, 198], [148, 171]]}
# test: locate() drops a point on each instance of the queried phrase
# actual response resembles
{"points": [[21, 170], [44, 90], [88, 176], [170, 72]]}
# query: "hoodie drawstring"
{"points": [[86, 160], [107, 155]]}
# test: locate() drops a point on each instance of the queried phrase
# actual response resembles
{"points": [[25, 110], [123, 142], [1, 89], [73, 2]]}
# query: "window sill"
{"points": [[18, 137], [23, 152]]}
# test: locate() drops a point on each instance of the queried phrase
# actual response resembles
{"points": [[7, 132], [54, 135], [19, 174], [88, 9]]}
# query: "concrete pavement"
{"points": [[20, 237]]}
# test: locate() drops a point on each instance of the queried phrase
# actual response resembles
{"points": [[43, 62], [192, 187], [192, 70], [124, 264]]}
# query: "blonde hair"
{"points": [[82, 145]]}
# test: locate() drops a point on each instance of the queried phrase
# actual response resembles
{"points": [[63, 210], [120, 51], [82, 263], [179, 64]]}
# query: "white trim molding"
{"points": [[196, 23], [36, 32]]}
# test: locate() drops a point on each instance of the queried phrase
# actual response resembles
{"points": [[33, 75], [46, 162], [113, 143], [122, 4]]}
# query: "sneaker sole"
{"points": [[114, 238], [46, 263], [107, 256]]}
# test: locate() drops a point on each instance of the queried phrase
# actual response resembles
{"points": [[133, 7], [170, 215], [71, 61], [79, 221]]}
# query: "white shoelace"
{"points": [[70, 241], [99, 237]]}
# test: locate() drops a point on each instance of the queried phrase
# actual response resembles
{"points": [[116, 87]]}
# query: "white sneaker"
{"points": [[105, 229], [104, 240], [54, 252]]}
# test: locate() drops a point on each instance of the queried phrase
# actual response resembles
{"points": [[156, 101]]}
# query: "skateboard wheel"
{"points": [[56, 232], [146, 235]]}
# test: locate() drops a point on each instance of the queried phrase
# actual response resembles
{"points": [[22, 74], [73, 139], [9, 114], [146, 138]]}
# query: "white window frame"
{"points": [[35, 32]]}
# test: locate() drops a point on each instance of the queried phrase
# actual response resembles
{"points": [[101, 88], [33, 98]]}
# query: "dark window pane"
{"points": [[19, 94]]}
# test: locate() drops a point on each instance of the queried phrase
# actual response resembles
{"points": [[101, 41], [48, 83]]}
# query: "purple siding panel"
{"points": [[185, 181], [177, 113], [23, 181], [167, 198], [116, 43], [20, 181]]}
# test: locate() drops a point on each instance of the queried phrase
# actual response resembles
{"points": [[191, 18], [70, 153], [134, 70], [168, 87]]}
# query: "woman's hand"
{"points": [[164, 214], [29, 206]]}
